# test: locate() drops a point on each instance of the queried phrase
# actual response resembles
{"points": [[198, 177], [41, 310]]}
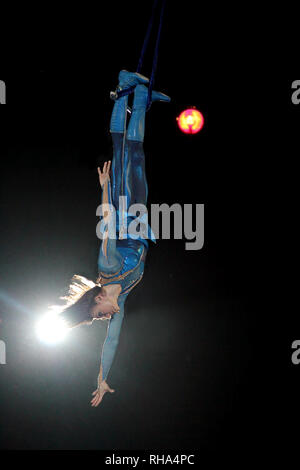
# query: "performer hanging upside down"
{"points": [[121, 260]]}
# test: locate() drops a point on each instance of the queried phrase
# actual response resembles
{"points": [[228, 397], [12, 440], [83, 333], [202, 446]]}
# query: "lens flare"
{"points": [[51, 329], [190, 121]]}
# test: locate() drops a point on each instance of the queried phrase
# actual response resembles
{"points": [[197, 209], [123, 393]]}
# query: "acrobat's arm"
{"points": [[108, 353], [111, 341], [110, 260]]}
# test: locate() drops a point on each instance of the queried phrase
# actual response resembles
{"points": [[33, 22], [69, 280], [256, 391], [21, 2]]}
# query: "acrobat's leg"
{"points": [[117, 129], [137, 181]]}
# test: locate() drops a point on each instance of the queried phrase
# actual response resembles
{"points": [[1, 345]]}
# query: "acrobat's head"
{"points": [[103, 306], [86, 302]]}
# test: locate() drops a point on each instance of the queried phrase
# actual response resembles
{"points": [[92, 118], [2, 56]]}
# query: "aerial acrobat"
{"points": [[121, 260]]}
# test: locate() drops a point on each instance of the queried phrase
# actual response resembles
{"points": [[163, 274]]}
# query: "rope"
{"points": [[129, 90], [154, 63], [147, 37]]}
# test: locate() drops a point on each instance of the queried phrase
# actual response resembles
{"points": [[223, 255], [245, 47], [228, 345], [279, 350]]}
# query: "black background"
{"points": [[193, 368]]}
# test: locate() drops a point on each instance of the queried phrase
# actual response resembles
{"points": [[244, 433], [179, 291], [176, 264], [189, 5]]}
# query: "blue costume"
{"points": [[122, 261]]}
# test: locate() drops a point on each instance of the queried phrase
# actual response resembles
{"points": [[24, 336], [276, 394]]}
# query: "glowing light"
{"points": [[190, 121], [51, 329]]}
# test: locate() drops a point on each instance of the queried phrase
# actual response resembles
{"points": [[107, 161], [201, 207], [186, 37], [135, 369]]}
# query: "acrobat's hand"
{"points": [[100, 392], [104, 175]]}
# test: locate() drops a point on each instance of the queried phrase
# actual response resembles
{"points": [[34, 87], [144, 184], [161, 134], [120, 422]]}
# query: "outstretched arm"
{"points": [[108, 353], [109, 260]]}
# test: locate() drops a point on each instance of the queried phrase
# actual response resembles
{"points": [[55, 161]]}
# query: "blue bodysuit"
{"points": [[122, 261]]}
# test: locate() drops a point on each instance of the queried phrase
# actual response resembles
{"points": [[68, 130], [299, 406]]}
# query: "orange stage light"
{"points": [[190, 121]]}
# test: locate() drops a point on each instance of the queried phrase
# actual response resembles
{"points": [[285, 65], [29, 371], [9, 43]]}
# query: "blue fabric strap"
{"points": [[154, 63], [129, 90], [147, 37]]}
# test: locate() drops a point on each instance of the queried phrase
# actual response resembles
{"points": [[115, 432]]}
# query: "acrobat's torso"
{"points": [[133, 255]]}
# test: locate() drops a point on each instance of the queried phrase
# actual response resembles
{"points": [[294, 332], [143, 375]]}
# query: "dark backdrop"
{"points": [[188, 372]]}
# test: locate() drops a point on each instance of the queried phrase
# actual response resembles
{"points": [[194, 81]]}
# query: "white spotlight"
{"points": [[51, 329]]}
